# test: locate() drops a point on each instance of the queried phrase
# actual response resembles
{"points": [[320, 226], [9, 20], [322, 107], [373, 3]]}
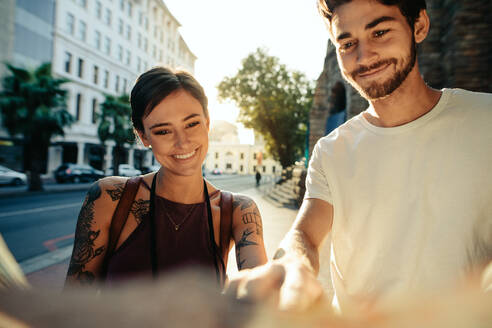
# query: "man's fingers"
{"points": [[299, 291]]}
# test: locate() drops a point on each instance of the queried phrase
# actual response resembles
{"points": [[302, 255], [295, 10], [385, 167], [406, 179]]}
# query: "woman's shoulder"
{"points": [[242, 202]]}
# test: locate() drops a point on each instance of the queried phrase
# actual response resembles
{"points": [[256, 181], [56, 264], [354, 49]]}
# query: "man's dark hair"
{"points": [[409, 8], [156, 84]]}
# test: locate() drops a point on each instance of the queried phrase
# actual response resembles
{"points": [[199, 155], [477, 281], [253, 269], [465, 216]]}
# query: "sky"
{"points": [[221, 33]]}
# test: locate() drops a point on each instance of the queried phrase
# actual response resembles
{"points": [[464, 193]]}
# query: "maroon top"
{"points": [[188, 246]]}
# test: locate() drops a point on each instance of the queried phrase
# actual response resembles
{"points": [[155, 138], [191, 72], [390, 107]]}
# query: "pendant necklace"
{"points": [[177, 226]]}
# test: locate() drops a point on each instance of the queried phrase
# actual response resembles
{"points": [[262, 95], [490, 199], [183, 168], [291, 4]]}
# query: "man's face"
{"points": [[375, 46]]}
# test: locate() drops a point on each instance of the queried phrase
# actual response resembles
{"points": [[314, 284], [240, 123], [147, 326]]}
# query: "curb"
{"points": [[45, 260]]}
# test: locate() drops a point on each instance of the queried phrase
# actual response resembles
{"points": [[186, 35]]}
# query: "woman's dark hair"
{"points": [[409, 8], [158, 83]]}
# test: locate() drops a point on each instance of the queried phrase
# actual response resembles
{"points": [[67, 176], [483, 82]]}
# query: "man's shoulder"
{"points": [[346, 130], [470, 99]]}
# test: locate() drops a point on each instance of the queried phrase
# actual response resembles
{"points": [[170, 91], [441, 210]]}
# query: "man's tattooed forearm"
{"points": [[253, 217], [243, 242], [242, 201], [139, 209], [115, 194], [84, 248]]}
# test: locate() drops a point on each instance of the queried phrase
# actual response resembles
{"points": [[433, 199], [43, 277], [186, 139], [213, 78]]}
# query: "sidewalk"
{"points": [[49, 270]]}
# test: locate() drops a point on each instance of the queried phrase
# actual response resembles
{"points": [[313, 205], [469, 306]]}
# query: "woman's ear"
{"points": [[143, 138], [421, 26]]}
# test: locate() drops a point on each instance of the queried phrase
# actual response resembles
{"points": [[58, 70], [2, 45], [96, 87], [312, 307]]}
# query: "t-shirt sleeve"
{"points": [[316, 180]]}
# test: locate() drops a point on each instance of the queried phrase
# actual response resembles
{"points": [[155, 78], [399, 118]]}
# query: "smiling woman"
{"points": [[171, 218]]}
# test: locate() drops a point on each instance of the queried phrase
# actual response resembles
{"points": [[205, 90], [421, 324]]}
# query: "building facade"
{"points": [[101, 46], [457, 53]]}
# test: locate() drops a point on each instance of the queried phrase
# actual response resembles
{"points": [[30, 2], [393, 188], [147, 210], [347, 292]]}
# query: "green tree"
{"points": [[115, 124], [274, 101], [33, 105]]}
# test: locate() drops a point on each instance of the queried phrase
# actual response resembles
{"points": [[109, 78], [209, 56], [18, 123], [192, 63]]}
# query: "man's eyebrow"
{"points": [[167, 124], [370, 25], [379, 20]]}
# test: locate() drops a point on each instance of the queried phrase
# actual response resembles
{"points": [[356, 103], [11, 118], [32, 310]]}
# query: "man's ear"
{"points": [[421, 26]]}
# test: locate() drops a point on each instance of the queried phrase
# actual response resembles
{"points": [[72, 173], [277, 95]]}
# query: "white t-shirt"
{"points": [[412, 204]]}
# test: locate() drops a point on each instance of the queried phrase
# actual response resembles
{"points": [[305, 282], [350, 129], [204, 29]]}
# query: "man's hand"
{"points": [[287, 282]]}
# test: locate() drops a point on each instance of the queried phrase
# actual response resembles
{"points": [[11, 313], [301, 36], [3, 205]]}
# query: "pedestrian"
{"points": [[258, 178], [404, 187], [175, 217]]}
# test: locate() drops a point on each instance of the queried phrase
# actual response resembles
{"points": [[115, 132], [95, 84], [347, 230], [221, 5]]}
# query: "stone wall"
{"points": [[457, 53]]}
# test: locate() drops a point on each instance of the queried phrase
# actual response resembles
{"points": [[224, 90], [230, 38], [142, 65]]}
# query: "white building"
{"points": [[233, 157], [101, 46]]}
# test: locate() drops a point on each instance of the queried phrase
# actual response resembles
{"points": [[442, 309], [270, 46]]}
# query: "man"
{"points": [[405, 187]]}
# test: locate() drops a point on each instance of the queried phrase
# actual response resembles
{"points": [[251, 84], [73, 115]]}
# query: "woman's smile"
{"points": [[184, 156]]}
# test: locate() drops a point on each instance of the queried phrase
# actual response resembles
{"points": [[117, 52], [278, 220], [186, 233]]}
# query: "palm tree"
{"points": [[33, 105], [115, 124]]}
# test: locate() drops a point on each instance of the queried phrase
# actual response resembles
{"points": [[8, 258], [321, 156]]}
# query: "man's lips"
{"points": [[374, 71]]}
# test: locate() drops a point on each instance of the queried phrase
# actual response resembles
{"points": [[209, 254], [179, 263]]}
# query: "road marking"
{"points": [[45, 260], [40, 209], [51, 244]]}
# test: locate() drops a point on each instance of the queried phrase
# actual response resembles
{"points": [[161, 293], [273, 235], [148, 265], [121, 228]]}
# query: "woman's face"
{"points": [[177, 130]]}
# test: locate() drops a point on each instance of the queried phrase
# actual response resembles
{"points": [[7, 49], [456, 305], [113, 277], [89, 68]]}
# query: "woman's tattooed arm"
{"points": [[84, 249], [248, 233]]}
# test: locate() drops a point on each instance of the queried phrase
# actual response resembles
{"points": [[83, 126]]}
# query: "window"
{"points": [[146, 44], [264, 168], [98, 9], [139, 64], [68, 62], [160, 55], [70, 23], [117, 84], [129, 8], [242, 155], [216, 155], [254, 156], [94, 110], [146, 23], [120, 26], [155, 31], [140, 18], [241, 168], [107, 17], [96, 74], [216, 166], [107, 45], [273, 169], [139, 40], [125, 81], [97, 40], [78, 103], [229, 166], [80, 71], [254, 168], [128, 57], [122, 5], [106, 79], [120, 53], [82, 30], [128, 32], [154, 51], [82, 3]]}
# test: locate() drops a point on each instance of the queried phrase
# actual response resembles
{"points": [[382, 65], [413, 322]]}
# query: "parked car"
{"points": [[8, 176], [125, 170], [216, 172], [70, 172]]}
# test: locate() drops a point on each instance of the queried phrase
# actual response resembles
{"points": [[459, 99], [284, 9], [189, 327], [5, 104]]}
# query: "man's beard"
{"points": [[377, 90]]}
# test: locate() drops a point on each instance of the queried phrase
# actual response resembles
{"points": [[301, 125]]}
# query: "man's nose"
{"points": [[365, 53]]}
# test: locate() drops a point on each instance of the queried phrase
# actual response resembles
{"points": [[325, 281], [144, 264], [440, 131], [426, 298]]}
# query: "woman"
{"points": [[174, 220]]}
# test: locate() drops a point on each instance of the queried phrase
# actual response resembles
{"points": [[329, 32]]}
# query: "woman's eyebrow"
{"points": [[167, 124]]}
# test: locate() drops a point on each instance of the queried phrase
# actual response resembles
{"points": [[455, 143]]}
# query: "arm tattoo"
{"points": [[115, 194], [83, 249], [139, 209], [253, 217], [243, 242], [242, 201]]}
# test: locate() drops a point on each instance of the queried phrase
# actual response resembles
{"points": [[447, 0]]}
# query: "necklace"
{"points": [[177, 226]]}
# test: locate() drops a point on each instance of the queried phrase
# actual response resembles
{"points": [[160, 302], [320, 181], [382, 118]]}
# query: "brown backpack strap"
{"points": [[226, 237], [120, 216]]}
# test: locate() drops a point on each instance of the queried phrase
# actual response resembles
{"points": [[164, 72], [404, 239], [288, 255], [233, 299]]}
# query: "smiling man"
{"points": [[404, 187]]}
